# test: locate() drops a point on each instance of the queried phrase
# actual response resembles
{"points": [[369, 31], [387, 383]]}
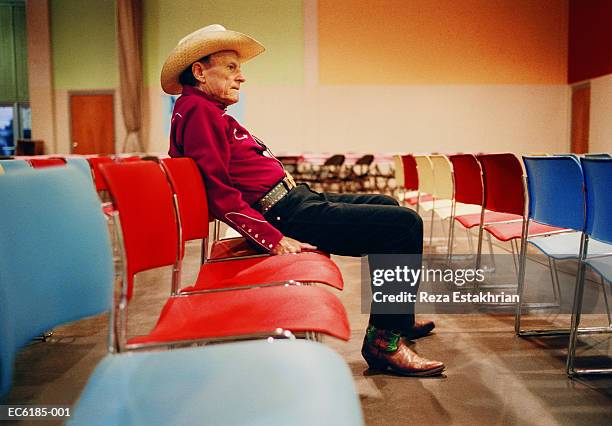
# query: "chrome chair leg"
{"points": [[577, 308], [491, 252], [470, 240], [603, 288], [431, 228], [514, 256], [451, 241], [520, 291]]}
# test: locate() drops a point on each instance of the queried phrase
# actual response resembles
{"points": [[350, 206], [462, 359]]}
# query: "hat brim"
{"points": [[198, 45]]}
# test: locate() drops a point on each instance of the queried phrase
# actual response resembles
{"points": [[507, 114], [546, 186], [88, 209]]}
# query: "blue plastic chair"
{"points": [[11, 165], [597, 178], [544, 174], [46, 277], [556, 198], [83, 165], [256, 383], [56, 266], [598, 155]]}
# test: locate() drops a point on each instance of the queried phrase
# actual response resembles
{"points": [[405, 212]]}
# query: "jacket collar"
{"points": [[191, 90]]}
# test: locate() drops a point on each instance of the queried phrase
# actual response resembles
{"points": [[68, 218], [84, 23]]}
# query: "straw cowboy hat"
{"points": [[205, 41]]}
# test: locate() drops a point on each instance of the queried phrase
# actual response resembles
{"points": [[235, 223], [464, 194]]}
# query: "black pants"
{"points": [[351, 225]]}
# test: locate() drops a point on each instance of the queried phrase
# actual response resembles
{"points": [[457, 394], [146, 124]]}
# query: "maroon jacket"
{"points": [[237, 169]]}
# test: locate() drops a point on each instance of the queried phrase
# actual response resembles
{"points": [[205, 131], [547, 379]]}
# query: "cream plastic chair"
{"points": [[439, 180], [428, 185], [445, 190], [398, 172], [426, 181], [442, 176]]}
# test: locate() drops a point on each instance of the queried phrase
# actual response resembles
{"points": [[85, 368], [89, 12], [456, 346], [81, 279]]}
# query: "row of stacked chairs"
{"points": [[336, 175], [245, 308], [557, 203]]}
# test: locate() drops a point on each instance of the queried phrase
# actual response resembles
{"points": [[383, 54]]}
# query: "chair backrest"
{"points": [[597, 178], [55, 256], [38, 163], [11, 165], [335, 160], [142, 196], [95, 163], [398, 170], [502, 175], [468, 179], [555, 185], [598, 155], [411, 174], [187, 183], [128, 159], [443, 176], [82, 164], [365, 160], [425, 173]]}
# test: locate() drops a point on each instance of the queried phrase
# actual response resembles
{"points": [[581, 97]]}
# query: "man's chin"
{"points": [[231, 101]]}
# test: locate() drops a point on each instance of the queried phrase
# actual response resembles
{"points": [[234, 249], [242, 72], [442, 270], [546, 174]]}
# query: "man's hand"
{"points": [[289, 245]]}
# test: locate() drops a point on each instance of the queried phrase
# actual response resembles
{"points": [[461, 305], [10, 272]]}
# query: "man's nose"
{"points": [[240, 77]]}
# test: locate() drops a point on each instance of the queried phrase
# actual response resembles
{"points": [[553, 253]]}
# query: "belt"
{"points": [[276, 194]]}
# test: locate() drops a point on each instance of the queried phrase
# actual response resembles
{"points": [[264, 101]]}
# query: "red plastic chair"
{"points": [[101, 188], [39, 163], [308, 267], [95, 163], [150, 236], [468, 189], [128, 159], [504, 195]]}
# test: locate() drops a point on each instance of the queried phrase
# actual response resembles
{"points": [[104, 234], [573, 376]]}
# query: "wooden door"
{"points": [[92, 124], [581, 107]]}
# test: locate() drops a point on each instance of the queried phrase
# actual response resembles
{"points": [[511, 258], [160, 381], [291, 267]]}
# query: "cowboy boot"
{"points": [[419, 329], [385, 350]]}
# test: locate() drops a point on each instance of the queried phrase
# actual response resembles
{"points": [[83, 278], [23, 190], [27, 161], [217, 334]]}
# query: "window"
{"points": [[14, 126]]}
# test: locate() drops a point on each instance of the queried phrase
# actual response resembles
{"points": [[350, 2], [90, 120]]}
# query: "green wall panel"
{"points": [[277, 24], [21, 54], [83, 38], [7, 55], [13, 53]]}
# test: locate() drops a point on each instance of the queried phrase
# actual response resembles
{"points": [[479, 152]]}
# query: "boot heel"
{"points": [[376, 364]]}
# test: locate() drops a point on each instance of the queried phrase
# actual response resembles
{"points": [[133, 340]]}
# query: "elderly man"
{"points": [[250, 191]]}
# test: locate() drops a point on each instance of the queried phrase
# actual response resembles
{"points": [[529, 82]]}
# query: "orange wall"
{"points": [[443, 41]]}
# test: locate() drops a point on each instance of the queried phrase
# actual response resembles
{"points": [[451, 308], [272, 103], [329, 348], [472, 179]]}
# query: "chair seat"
{"points": [[567, 245], [413, 200], [307, 267], [514, 230], [232, 247], [472, 220], [252, 311], [239, 247], [430, 204], [603, 266], [259, 383], [460, 209]]}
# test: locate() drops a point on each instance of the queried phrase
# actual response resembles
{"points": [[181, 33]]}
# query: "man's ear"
{"points": [[197, 69]]}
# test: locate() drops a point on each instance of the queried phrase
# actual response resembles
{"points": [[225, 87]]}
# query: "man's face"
{"points": [[221, 77]]}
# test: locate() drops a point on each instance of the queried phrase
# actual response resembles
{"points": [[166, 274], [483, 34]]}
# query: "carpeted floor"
{"points": [[492, 377]]}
